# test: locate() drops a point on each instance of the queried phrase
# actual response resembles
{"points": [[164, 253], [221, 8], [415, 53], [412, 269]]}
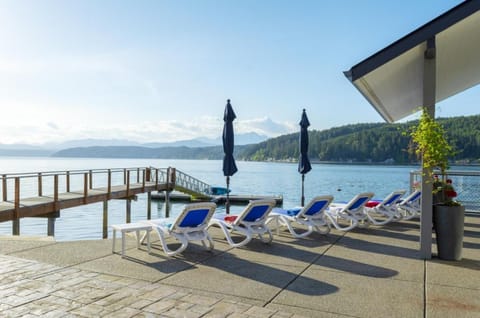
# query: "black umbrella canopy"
{"points": [[304, 165], [229, 166]]}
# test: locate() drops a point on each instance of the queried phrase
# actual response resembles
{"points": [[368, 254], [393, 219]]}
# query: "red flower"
{"points": [[450, 193]]}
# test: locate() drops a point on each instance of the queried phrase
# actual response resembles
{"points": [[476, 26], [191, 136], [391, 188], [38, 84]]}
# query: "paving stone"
{"points": [[260, 312], [141, 303], [72, 281], [147, 315], [143, 285], [184, 306], [14, 300], [201, 309], [111, 299], [59, 303], [128, 301], [38, 310], [90, 311], [99, 284], [216, 314], [28, 315], [123, 313], [158, 293], [177, 313], [125, 281], [7, 292], [58, 314], [15, 312], [160, 306], [239, 315], [82, 296], [90, 274], [223, 309], [178, 295], [282, 314], [4, 307], [14, 283]]}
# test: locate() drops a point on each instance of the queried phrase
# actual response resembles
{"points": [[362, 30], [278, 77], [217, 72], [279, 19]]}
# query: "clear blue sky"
{"points": [[162, 70]]}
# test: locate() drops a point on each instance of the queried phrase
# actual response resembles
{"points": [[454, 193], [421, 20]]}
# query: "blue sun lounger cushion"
{"points": [[190, 225], [312, 216], [250, 222], [194, 218], [410, 206], [386, 210], [352, 212]]}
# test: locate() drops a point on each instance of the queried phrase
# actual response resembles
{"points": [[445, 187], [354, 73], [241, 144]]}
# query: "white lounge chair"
{"points": [[250, 222], [386, 210], [410, 206], [190, 225], [352, 212], [312, 215]]}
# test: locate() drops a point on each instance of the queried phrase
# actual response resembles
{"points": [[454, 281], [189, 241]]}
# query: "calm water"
{"points": [[341, 181]]}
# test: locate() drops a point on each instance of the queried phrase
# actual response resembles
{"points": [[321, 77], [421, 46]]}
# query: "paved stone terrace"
{"points": [[374, 272]]}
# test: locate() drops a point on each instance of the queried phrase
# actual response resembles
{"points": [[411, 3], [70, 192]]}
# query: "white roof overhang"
{"points": [[392, 79]]}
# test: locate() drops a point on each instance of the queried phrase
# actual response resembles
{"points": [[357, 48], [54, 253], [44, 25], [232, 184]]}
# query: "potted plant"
{"points": [[430, 143]]}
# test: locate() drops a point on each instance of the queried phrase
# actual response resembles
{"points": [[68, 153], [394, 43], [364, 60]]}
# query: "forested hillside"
{"points": [[379, 142]]}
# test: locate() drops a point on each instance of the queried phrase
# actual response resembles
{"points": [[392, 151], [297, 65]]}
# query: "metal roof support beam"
{"points": [[429, 91]]}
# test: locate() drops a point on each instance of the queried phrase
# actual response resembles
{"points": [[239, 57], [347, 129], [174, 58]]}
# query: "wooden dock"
{"points": [[44, 194], [245, 198], [235, 199]]}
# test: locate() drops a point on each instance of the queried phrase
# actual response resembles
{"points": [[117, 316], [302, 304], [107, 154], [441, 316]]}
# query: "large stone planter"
{"points": [[449, 224]]}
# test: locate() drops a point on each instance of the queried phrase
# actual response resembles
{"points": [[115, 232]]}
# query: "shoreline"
{"points": [[347, 163]]}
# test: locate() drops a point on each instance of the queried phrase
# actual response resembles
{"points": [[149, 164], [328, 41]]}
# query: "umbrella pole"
{"points": [[227, 204], [303, 197]]}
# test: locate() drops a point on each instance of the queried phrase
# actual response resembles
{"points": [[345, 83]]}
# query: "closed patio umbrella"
{"points": [[229, 166], [304, 165]]}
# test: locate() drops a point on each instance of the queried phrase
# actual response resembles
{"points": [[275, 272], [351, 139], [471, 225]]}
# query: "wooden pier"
{"points": [[44, 194]]}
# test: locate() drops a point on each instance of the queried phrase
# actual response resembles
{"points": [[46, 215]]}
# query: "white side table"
{"points": [[131, 227]]}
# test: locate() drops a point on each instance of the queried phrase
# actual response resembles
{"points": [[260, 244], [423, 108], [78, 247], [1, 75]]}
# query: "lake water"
{"points": [[261, 178]]}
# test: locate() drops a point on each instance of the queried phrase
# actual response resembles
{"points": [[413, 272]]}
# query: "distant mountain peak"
{"points": [[240, 139]]}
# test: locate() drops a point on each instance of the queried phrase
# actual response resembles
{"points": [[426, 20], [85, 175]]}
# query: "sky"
{"points": [[161, 71]]}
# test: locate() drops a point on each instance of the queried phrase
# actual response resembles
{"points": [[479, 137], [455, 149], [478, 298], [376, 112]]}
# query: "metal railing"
{"points": [[466, 184], [16, 186], [188, 182]]}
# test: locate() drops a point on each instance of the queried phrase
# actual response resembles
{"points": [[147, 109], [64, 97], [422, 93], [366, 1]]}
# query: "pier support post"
{"points": [[16, 227], [16, 221], [51, 223], [105, 219], [171, 179], [167, 204], [149, 205], [129, 211], [51, 218]]}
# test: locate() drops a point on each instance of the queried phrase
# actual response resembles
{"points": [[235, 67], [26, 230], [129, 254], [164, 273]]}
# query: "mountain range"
{"points": [[49, 149]]}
